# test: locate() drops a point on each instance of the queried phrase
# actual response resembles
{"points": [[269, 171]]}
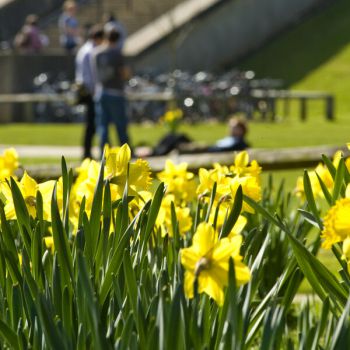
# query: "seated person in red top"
{"points": [[235, 141], [29, 39]]}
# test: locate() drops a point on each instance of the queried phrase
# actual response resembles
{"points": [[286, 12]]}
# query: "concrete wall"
{"points": [[18, 72], [13, 14], [223, 34]]}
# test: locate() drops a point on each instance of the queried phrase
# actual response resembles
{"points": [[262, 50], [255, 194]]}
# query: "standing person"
{"points": [[29, 39], [85, 81], [111, 20], [110, 73], [69, 27]]}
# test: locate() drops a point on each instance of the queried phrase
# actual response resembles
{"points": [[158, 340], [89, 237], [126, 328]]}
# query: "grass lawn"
{"points": [[288, 133], [315, 55]]}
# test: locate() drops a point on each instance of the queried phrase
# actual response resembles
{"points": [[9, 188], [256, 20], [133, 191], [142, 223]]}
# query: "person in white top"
{"points": [[85, 80]]}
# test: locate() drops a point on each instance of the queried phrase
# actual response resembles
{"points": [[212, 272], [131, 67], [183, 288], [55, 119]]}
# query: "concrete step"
{"points": [[134, 14]]}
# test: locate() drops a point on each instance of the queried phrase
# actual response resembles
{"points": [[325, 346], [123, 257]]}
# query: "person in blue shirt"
{"points": [[111, 21], [236, 139], [69, 27]]}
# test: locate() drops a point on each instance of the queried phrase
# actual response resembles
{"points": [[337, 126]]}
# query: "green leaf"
{"points": [[17, 305], [36, 253], [161, 323], [133, 295], [61, 241], [322, 323], [57, 289], [81, 212], [7, 236], [40, 210], [22, 214], [320, 278], [65, 182], [9, 335], [343, 322], [329, 165], [116, 260], [173, 334], [339, 180], [234, 214], [310, 218], [311, 199], [325, 191], [130, 280], [67, 311], [211, 202], [13, 268], [96, 207], [91, 305], [101, 254], [261, 210], [153, 210], [127, 331], [52, 336], [175, 227], [227, 312]]}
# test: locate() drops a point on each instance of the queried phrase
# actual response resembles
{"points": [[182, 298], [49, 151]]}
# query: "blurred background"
{"points": [[284, 65]]}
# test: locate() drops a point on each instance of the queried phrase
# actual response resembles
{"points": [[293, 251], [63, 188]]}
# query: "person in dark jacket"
{"points": [[110, 75]]}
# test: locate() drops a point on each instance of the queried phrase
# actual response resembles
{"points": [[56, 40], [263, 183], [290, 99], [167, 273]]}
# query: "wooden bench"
{"points": [[271, 96], [70, 98]]}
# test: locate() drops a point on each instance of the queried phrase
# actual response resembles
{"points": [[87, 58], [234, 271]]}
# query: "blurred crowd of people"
{"points": [[100, 69], [30, 39], [100, 77]]}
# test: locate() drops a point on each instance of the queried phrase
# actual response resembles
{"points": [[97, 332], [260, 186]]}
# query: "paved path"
{"points": [[44, 151]]}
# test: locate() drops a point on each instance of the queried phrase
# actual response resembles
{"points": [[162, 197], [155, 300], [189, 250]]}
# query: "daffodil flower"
{"points": [[8, 163], [179, 181], [336, 223], [207, 261], [164, 218]]}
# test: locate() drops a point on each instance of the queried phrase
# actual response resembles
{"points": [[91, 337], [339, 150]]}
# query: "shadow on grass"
{"points": [[297, 52]]}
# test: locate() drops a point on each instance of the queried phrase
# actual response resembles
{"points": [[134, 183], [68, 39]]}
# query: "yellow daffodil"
{"points": [[250, 188], [241, 166], [221, 211], [207, 178], [119, 170], [179, 181], [49, 243], [164, 218], [337, 223], [28, 188], [117, 160], [323, 173], [84, 186], [238, 226], [8, 163], [172, 119], [207, 261], [172, 115]]}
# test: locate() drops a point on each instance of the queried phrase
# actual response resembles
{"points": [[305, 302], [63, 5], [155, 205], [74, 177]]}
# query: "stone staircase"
{"points": [[134, 14]]}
